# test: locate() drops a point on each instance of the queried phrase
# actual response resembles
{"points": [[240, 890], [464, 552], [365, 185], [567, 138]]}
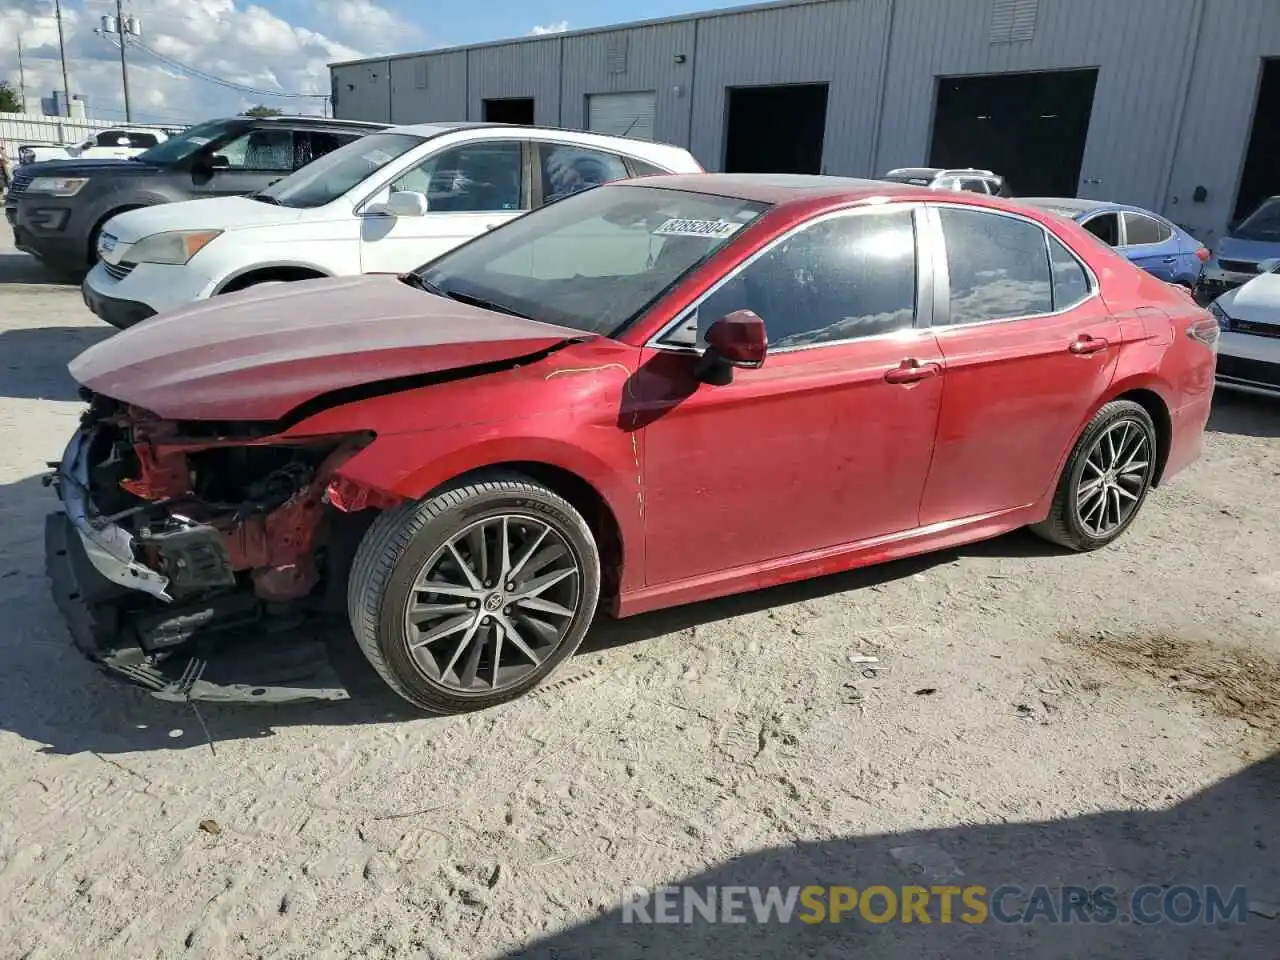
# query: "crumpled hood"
{"points": [[258, 354], [1258, 301]]}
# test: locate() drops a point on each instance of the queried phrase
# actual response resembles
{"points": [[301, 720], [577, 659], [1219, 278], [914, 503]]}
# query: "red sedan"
{"points": [[650, 393]]}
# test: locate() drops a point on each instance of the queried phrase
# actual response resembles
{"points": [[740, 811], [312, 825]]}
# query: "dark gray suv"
{"points": [[57, 207]]}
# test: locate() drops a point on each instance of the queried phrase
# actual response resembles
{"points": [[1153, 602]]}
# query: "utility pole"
{"points": [[22, 79], [124, 66], [62, 52]]}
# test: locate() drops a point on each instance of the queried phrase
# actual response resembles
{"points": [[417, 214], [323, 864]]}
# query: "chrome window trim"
{"points": [[924, 295], [943, 306]]}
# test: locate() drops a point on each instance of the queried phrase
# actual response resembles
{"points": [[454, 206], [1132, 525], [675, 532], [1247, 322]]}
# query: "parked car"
{"points": [[114, 144], [944, 178], [384, 205], [652, 392], [1155, 244], [1237, 258], [58, 208], [1249, 345]]}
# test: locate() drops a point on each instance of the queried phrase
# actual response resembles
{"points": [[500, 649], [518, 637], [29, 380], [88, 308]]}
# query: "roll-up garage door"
{"points": [[622, 114]]}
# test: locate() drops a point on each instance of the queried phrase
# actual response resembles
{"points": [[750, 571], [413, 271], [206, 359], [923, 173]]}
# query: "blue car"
{"points": [[1248, 242], [1161, 248]]}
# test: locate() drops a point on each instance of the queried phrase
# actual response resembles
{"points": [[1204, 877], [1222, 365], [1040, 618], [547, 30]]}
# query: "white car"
{"points": [[1249, 344], [386, 203], [114, 144]]}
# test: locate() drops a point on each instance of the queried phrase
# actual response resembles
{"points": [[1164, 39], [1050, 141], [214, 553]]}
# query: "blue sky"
{"points": [[262, 49]]}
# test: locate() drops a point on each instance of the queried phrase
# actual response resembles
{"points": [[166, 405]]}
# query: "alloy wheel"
{"points": [[1114, 477], [492, 604]]}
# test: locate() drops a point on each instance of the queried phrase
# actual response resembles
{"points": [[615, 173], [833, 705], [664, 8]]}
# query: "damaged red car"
{"points": [[653, 392]]}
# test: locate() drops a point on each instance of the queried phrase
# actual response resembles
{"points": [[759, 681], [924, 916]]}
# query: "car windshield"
{"points": [[188, 142], [324, 180], [594, 260], [1262, 224]]}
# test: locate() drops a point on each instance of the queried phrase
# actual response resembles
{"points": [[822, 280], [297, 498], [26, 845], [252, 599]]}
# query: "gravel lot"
{"points": [[1030, 718]]}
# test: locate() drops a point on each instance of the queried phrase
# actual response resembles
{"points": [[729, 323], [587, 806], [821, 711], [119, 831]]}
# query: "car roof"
{"points": [[1078, 206], [320, 121], [642, 149], [779, 188]]}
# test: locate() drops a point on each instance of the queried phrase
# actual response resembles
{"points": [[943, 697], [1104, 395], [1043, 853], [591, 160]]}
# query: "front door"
{"points": [[251, 162], [470, 188], [1028, 348], [824, 444]]}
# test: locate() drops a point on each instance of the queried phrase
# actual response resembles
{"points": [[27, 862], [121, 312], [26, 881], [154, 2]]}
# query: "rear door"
{"points": [[1028, 347], [470, 187], [1150, 244]]}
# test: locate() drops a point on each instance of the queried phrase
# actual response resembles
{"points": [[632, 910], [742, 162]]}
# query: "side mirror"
{"points": [[218, 162], [1270, 265], [735, 340], [405, 203]]}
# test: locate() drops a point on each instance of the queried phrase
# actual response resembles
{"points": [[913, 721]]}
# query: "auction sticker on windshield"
{"points": [[716, 229]]}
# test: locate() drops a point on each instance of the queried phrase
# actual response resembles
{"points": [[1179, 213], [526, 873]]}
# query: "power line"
{"points": [[199, 74]]}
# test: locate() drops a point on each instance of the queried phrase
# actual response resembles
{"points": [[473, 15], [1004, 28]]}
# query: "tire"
{"points": [[1074, 519], [413, 540]]}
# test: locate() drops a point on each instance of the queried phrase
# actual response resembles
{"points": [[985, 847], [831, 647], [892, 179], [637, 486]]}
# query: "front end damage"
{"points": [[203, 561]]}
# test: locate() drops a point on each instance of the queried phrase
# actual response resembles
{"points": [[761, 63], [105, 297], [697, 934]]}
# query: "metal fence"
{"points": [[20, 128]]}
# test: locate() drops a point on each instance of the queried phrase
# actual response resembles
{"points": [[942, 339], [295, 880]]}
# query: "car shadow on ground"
{"points": [[55, 697], [24, 268], [1225, 837], [33, 360], [1245, 414]]}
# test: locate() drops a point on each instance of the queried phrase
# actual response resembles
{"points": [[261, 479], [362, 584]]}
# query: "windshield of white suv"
{"points": [[593, 261], [189, 141], [1262, 224], [324, 180]]}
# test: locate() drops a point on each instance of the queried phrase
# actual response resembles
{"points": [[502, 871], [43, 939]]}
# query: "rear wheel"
{"points": [[1106, 479], [470, 598]]}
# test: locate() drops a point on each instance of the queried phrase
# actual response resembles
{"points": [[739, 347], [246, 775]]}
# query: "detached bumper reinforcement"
{"points": [[248, 666]]}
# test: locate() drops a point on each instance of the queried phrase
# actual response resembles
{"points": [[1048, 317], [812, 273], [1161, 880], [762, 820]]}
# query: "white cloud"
{"points": [[558, 27], [236, 40]]}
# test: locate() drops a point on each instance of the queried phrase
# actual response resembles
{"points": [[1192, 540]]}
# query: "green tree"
{"points": [[261, 111], [9, 102]]}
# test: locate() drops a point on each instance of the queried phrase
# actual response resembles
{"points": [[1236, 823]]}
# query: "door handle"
{"points": [[1170, 259], [1087, 344], [912, 370]]}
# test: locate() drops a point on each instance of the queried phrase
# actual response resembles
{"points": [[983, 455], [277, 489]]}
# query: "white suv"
{"points": [[386, 203], [941, 178]]}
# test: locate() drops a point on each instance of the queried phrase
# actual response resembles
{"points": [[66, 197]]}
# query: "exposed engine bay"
{"points": [[177, 536]]}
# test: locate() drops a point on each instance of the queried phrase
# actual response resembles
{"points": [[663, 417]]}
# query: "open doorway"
{"points": [[1261, 176], [1028, 127], [509, 110], [775, 129]]}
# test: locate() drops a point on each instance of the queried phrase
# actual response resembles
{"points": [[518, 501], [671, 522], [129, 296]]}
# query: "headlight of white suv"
{"points": [[57, 186], [176, 247]]}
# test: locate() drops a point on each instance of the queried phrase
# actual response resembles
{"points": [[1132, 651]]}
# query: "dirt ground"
{"points": [[1004, 714]]}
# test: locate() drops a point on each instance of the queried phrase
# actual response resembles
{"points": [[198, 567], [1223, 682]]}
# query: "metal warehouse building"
{"points": [[1170, 104]]}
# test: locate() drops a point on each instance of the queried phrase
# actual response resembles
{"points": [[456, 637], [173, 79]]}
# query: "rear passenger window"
{"points": [[566, 169], [1070, 282], [973, 186], [998, 266], [1139, 230]]}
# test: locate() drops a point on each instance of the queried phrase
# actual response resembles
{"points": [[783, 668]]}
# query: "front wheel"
{"points": [[471, 597], [1106, 479]]}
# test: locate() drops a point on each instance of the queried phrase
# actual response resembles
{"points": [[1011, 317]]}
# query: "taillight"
{"points": [[1205, 330], [1203, 254]]}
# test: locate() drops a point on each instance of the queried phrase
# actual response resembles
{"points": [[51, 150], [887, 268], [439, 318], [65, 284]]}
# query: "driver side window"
{"points": [[481, 177], [839, 279]]}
